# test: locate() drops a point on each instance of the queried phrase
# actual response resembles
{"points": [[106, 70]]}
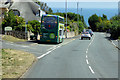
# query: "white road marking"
{"points": [[91, 70], [87, 56], [52, 49], [11, 44], [113, 43], [87, 61], [102, 33], [97, 78], [87, 49], [24, 46]]}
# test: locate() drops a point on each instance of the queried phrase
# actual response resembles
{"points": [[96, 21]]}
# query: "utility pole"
{"points": [[78, 13], [66, 18], [81, 11], [119, 8], [81, 15]]}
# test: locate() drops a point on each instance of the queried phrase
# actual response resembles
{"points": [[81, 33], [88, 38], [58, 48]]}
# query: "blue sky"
{"points": [[83, 4]]}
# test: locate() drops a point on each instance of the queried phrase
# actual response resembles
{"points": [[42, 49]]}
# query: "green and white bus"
{"points": [[52, 28]]}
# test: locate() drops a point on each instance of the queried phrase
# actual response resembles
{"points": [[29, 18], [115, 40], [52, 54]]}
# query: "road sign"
{"points": [[8, 28]]}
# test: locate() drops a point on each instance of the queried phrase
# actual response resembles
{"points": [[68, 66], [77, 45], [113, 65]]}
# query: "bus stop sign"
{"points": [[8, 28]]}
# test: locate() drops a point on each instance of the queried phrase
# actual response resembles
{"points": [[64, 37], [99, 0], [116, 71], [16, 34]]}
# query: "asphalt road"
{"points": [[74, 58]]}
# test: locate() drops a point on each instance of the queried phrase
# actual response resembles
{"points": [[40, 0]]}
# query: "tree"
{"points": [[50, 10], [20, 24], [16, 22], [81, 26], [104, 17], [92, 22], [35, 26], [9, 20], [115, 27]]}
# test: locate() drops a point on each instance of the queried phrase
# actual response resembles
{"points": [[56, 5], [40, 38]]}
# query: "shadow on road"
{"points": [[109, 38]]}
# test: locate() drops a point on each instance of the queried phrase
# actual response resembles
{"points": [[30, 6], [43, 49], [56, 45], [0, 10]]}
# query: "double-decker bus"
{"points": [[52, 28]]}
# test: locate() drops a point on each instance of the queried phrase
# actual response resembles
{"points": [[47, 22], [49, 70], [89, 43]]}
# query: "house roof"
{"points": [[27, 8]]}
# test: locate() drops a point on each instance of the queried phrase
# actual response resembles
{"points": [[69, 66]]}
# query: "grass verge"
{"points": [[12, 39], [15, 63]]}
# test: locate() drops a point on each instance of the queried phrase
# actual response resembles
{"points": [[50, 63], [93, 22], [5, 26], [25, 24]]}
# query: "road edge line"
{"points": [[113, 42]]}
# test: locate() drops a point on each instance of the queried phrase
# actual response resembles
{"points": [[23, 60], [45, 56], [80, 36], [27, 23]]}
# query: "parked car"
{"points": [[90, 31], [85, 35]]}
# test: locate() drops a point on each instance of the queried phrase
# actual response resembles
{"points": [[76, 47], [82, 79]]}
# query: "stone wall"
{"points": [[71, 34], [17, 34]]}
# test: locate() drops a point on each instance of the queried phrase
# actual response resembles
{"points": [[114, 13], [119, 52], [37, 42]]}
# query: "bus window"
{"points": [[61, 20], [49, 22]]}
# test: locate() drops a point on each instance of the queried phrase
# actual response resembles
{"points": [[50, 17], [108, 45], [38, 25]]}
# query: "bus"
{"points": [[52, 29]]}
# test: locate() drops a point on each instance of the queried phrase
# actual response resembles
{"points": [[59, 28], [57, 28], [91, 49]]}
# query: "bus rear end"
{"points": [[49, 29]]}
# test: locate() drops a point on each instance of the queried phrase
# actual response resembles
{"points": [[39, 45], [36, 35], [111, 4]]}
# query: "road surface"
{"points": [[74, 58]]}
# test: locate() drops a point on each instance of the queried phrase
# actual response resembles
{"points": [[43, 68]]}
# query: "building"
{"points": [[28, 9]]}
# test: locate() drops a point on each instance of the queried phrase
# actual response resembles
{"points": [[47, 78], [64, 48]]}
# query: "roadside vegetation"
{"points": [[44, 6], [18, 23], [15, 63], [102, 24], [75, 22]]}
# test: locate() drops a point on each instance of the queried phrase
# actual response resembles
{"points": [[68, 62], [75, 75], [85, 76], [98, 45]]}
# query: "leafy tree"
{"points": [[20, 24], [35, 26], [9, 20], [115, 27], [92, 22], [104, 17], [81, 26], [44, 6], [16, 22]]}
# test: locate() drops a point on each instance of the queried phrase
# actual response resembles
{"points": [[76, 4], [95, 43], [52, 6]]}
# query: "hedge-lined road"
{"points": [[96, 58]]}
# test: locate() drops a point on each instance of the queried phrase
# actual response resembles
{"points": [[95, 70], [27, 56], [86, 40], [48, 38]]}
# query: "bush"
{"points": [[115, 28], [16, 22], [35, 26]]}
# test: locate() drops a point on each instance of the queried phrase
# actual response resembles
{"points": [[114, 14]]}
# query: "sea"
{"points": [[87, 12]]}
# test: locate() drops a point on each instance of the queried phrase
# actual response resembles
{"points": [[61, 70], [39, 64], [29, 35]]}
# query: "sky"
{"points": [[80, 0], [82, 3]]}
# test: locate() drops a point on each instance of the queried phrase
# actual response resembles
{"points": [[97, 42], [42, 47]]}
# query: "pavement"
{"points": [[116, 42], [74, 58]]}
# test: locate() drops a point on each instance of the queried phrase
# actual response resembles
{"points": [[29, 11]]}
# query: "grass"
{"points": [[15, 63], [12, 39]]}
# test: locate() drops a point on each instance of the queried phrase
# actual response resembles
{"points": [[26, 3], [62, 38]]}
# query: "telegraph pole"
{"points": [[66, 18], [78, 13], [81, 15]]}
